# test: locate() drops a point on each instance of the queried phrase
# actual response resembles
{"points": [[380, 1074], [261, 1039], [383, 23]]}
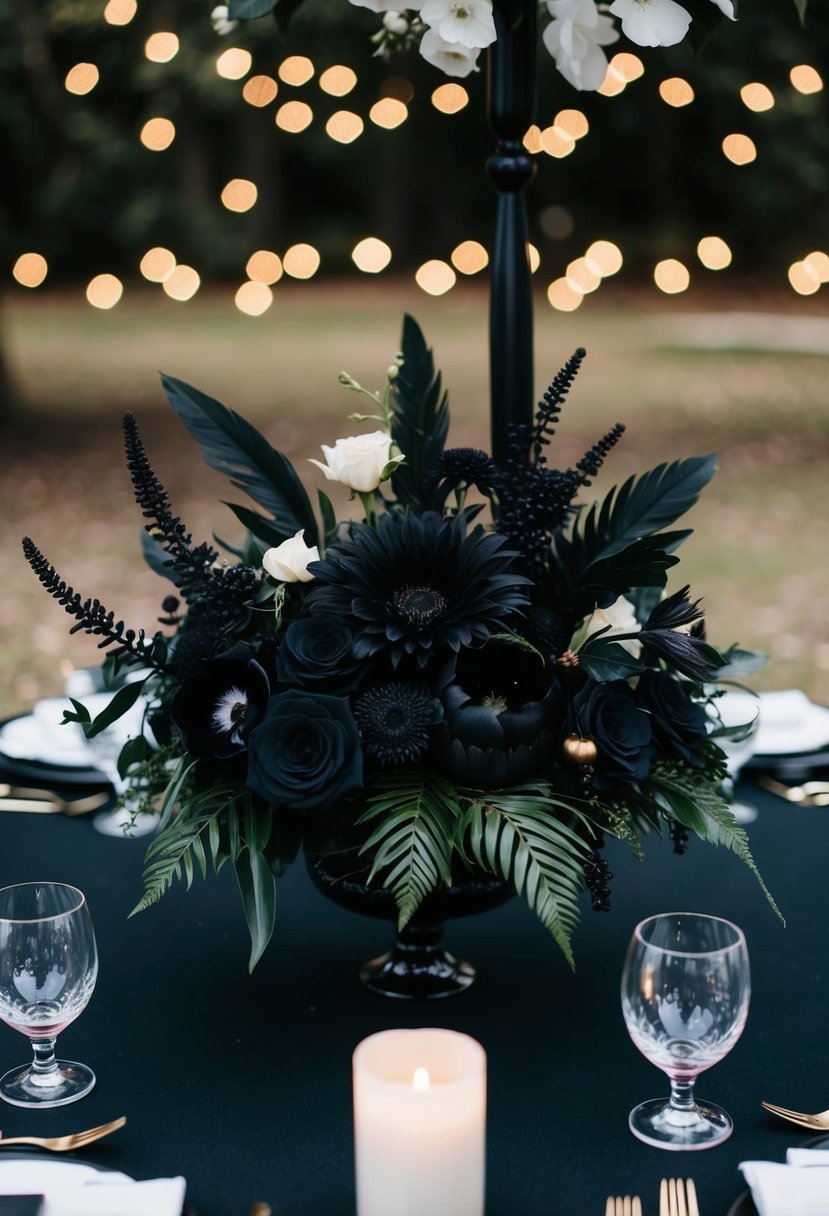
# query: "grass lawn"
{"points": [[745, 377]]}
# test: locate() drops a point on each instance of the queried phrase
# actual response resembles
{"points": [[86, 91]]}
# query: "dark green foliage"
{"points": [[420, 421]]}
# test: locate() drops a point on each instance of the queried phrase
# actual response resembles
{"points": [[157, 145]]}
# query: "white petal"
{"points": [[652, 22], [725, 6]]}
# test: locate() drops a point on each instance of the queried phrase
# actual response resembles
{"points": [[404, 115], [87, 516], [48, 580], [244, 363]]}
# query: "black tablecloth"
{"points": [[243, 1084]]}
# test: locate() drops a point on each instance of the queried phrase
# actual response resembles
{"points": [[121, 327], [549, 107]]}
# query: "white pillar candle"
{"points": [[419, 1124]]}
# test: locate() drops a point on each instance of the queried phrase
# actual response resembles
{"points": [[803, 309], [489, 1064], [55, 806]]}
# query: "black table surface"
{"points": [[243, 1083]]}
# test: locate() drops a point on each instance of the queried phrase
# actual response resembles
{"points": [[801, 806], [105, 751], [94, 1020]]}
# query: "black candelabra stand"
{"points": [[510, 109]]}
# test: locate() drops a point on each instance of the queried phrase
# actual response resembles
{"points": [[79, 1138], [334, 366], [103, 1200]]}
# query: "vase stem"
{"points": [[418, 967]]}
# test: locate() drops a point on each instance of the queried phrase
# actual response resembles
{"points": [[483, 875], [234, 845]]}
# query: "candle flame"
{"points": [[420, 1080]]}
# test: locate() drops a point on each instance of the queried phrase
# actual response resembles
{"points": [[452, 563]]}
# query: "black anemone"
{"points": [[394, 721], [417, 586], [216, 708]]}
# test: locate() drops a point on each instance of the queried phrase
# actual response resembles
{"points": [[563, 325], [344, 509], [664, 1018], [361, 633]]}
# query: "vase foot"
{"points": [[398, 974]]}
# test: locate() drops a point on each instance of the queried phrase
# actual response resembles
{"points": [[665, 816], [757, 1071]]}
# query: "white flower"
{"points": [[452, 58], [220, 22], [652, 22], [288, 562], [468, 22], [620, 618], [725, 6], [361, 462], [395, 22], [575, 37]]}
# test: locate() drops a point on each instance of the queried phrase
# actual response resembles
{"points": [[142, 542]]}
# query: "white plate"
{"points": [[790, 724]]}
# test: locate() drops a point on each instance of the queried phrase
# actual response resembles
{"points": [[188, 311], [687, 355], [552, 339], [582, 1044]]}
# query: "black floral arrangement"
{"points": [[478, 674]]}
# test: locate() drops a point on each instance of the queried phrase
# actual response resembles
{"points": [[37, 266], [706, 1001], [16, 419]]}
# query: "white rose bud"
{"points": [[220, 21], [361, 462], [622, 619], [288, 562], [395, 22]]}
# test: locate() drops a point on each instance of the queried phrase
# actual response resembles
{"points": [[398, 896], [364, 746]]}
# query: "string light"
{"points": [[81, 79], [676, 92], [120, 12], [563, 297], [469, 257], [806, 79], [296, 70], [253, 298], [371, 255], [104, 291], [435, 277], [604, 257], [757, 97], [264, 266], [157, 264], [239, 194], [293, 117], [259, 91], [338, 80], [671, 276], [739, 149], [450, 98], [30, 269], [344, 126], [234, 63], [714, 253], [157, 134], [388, 112], [182, 284], [161, 47], [301, 261]]}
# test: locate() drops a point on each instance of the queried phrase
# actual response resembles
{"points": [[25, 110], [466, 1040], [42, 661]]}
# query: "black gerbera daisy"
{"points": [[418, 585], [394, 721]]}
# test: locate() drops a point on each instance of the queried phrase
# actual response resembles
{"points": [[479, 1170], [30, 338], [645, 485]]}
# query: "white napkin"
{"points": [[790, 723], [798, 1188], [73, 1189], [41, 735]]}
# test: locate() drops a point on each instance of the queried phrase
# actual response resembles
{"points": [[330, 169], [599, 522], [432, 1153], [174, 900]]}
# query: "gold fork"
{"points": [[627, 1206], [65, 1144], [678, 1198], [817, 1122]]}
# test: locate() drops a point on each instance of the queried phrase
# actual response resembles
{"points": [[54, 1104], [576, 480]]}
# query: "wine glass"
{"points": [[685, 995], [48, 967]]}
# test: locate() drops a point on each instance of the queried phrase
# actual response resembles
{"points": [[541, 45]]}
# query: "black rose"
{"points": [[679, 725], [315, 653], [305, 753], [217, 707], [608, 714]]}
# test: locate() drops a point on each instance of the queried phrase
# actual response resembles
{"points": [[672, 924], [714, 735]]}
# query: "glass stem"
{"points": [[682, 1096], [45, 1070]]}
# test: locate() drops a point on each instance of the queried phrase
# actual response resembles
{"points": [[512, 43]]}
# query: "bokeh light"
{"points": [[613, 83], [157, 134], [371, 255], [470, 257], [435, 277], [556, 142], [104, 291], [532, 140], [294, 116], [301, 261], [806, 79], [182, 284], [388, 112], [234, 63], [740, 149], [450, 98], [582, 277], [630, 67], [533, 257], [804, 278], [338, 80], [676, 92], [30, 269], [296, 70], [344, 126], [260, 91], [604, 257], [398, 87], [157, 264], [253, 298], [239, 194], [81, 79], [819, 262], [563, 297], [264, 266], [757, 97], [671, 276], [556, 222], [161, 47], [572, 122], [120, 12], [714, 253]]}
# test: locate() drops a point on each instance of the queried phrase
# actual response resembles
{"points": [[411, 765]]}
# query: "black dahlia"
{"points": [[394, 721], [418, 585]]}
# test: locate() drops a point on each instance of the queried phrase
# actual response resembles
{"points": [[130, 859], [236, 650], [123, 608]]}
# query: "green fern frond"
{"points": [[173, 849], [412, 843], [515, 835]]}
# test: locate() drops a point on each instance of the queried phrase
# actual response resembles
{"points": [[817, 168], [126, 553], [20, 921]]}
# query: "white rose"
{"points": [[620, 618], [361, 462], [219, 19], [288, 562]]}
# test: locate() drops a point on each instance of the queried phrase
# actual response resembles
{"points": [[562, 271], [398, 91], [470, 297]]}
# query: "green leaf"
{"points": [[170, 848], [604, 658], [134, 751], [232, 446], [801, 5], [258, 889], [516, 835], [249, 10], [174, 787], [420, 420], [123, 700], [412, 843], [738, 662], [267, 530], [328, 514]]}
